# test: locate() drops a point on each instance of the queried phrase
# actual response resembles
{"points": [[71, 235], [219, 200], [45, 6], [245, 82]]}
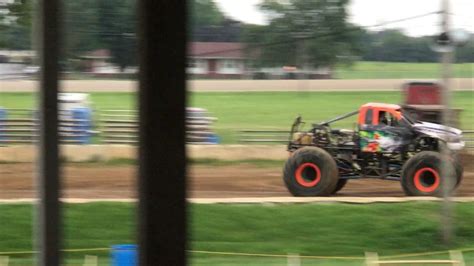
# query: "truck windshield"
{"points": [[406, 116]]}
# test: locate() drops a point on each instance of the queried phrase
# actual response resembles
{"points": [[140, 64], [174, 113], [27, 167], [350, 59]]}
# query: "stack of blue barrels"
{"points": [[75, 126]]}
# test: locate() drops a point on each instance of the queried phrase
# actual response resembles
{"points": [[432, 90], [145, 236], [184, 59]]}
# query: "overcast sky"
{"points": [[370, 12]]}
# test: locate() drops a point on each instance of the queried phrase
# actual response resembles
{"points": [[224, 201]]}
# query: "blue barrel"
{"points": [[124, 255], [214, 139], [83, 126], [3, 116]]}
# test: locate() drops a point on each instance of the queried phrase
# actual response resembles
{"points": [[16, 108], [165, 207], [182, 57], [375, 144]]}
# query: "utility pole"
{"points": [[302, 66], [446, 72]]}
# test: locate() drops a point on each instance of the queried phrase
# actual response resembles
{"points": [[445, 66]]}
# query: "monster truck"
{"points": [[386, 144]]}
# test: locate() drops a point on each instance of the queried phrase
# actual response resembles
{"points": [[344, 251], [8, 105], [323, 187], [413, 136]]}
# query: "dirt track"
{"points": [[96, 181]]}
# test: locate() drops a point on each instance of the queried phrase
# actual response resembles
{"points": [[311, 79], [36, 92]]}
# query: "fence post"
{"points": [[162, 152], [48, 222], [456, 255], [294, 260], [4, 260], [91, 260], [371, 259]]}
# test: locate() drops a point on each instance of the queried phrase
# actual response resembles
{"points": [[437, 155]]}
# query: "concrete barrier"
{"points": [[236, 85], [238, 152], [86, 153], [93, 153]]}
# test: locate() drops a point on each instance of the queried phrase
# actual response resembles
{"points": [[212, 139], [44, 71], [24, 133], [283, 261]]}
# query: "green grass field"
{"points": [[392, 70], [263, 110], [305, 229]]}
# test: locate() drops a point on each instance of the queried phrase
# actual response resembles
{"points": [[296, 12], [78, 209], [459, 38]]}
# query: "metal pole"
{"points": [[162, 154], [446, 62], [49, 224]]}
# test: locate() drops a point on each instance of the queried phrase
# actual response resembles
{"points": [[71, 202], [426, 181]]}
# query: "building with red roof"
{"points": [[216, 59]]}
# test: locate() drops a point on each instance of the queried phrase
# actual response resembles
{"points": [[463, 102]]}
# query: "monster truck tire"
{"points": [[340, 184], [421, 174], [310, 171]]}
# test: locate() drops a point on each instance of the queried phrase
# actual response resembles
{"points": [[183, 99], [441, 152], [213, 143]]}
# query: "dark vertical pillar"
{"points": [[162, 97], [49, 209]]}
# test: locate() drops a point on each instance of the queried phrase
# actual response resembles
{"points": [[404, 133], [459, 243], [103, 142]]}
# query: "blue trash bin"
{"points": [[124, 255]]}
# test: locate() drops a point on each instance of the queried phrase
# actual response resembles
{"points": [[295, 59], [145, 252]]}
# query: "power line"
{"points": [[402, 19], [459, 15], [322, 35]]}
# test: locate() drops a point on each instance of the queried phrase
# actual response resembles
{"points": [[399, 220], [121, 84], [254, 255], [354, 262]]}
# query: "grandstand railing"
{"points": [[20, 126], [282, 136]]}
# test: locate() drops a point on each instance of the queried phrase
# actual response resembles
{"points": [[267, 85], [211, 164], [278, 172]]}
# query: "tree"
{"points": [[81, 28], [465, 53], [110, 24], [22, 11], [304, 33], [208, 24], [116, 23], [88, 25], [394, 46], [204, 13], [15, 25], [226, 31]]}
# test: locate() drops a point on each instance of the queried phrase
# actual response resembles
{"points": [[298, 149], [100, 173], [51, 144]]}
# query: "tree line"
{"points": [[395, 46], [87, 25], [309, 33]]}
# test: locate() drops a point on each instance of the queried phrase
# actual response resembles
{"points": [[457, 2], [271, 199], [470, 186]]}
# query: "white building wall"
{"points": [[197, 66], [230, 66]]}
